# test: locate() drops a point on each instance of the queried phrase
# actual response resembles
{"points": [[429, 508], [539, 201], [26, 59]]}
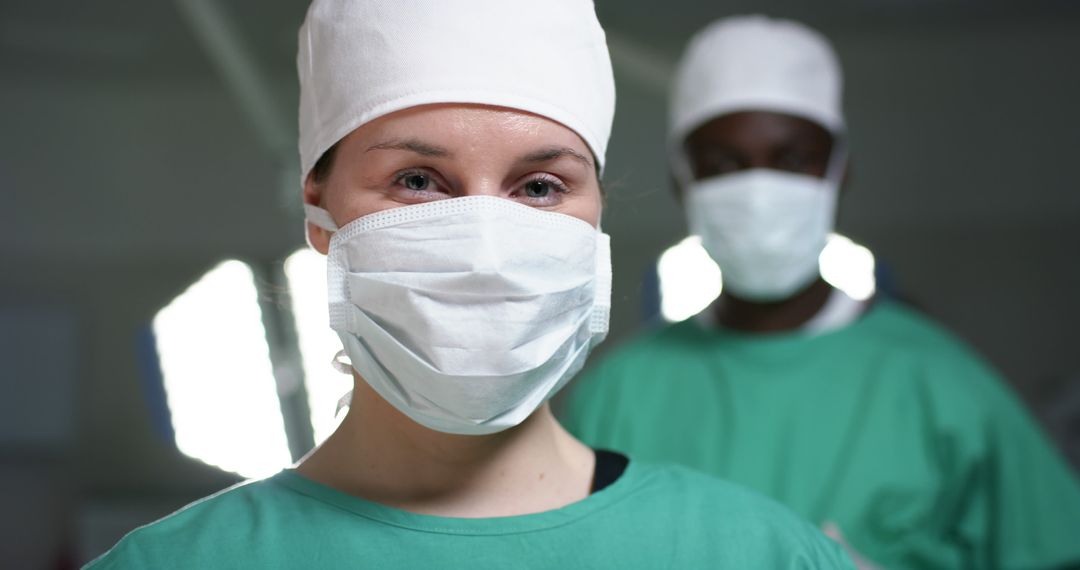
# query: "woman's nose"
{"points": [[482, 186]]}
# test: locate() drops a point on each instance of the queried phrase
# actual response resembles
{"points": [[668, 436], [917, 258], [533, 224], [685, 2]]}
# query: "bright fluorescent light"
{"points": [[217, 373]]}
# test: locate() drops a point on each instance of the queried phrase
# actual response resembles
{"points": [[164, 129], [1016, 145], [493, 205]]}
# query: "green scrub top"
{"points": [[889, 429], [651, 517]]}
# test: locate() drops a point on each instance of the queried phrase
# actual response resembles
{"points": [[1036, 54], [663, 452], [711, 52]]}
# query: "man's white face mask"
{"points": [[765, 228], [467, 314]]}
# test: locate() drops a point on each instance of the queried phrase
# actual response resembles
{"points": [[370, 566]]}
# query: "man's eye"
{"points": [[537, 189], [416, 181], [715, 165]]}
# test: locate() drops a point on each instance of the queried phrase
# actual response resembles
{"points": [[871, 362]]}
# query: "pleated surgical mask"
{"points": [[764, 228], [467, 314]]}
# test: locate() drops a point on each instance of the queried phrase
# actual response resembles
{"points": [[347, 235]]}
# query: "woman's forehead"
{"points": [[468, 125]]}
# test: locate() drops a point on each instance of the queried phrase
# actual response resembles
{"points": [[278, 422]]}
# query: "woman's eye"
{"points": [[541, 191], [538, 189], [416, 182]]}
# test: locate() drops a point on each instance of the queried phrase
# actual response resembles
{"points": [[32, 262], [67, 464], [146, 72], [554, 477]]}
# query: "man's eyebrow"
{"points": [[552, 153], [412, 145]]}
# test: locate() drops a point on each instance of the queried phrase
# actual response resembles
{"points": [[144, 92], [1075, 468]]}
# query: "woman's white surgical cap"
{"points": [[362, 59], [755, 63]]}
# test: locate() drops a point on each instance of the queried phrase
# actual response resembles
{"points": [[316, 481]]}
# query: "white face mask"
{"points": [[765, 228], [467, 314]]}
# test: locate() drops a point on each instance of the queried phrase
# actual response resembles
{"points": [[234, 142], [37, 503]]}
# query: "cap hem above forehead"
{"points": [[346, 125]]}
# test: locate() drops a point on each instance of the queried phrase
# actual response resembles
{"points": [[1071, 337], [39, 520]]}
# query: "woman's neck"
{"points": [[380, 454]]}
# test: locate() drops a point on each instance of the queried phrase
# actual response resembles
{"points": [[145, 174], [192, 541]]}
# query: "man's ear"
{"points": [[318, 238]]}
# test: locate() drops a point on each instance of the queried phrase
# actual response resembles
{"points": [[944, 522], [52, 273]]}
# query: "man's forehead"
{"points": [[757, 127]]}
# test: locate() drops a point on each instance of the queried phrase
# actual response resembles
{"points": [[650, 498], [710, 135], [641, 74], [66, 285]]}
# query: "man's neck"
{"points": [[380, 454], [781, 316]]}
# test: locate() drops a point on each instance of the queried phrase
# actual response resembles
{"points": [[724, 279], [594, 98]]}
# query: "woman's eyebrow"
{"points": [[552, 153], [413, 145]]}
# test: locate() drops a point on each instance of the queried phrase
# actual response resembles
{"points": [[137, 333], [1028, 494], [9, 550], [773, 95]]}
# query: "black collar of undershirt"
{"points": [[610, 465]]}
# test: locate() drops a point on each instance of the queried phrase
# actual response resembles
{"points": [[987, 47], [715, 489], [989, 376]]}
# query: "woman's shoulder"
{"points": [[710, 511], [177, 539], [699, 493]]}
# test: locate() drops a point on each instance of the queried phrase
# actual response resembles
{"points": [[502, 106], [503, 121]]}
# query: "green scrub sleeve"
{"points": [[1022, 499]]}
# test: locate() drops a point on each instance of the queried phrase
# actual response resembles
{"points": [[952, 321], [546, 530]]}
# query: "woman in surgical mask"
{"points": [[452, 154]]}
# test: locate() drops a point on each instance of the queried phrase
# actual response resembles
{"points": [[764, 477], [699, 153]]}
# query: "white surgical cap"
{"points": [[362, 59], [755, 63]]}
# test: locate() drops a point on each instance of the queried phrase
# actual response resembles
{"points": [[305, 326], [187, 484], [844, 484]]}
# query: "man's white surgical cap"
{"points": [[755, 63], [362, 59]]}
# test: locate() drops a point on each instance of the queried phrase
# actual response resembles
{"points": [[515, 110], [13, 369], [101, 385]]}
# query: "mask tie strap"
{"points": [[319, 217], [339, 363]]}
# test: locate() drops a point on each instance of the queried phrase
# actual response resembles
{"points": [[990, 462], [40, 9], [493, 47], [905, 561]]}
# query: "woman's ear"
{"points": [[317, 237]]}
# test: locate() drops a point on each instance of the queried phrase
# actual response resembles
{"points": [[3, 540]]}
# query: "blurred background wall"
{"points": [[143, 142]]}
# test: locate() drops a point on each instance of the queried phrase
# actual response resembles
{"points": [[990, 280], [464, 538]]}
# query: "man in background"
{"points": [[865, 417]]}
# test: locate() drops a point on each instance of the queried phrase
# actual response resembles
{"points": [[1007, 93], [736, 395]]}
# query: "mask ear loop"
{"points": [[834, 177], [838, 160], [680, 164]]}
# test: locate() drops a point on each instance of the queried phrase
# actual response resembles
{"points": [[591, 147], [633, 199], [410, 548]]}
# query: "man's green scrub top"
{"points": [[651, 517], [888, 429]]}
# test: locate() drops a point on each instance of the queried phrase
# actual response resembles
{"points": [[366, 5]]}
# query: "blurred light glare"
{"points": [[690, 280], [306, 272], [848, 266], [218, 378]]}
